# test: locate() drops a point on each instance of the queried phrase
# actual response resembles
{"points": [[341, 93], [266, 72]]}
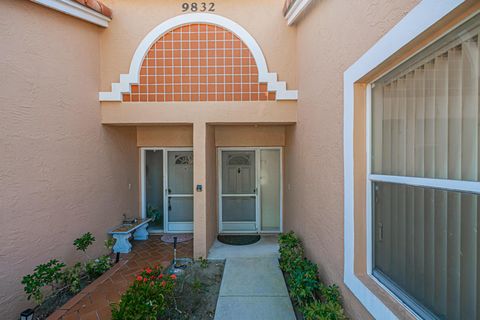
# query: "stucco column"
{"points": [[199, 197]]}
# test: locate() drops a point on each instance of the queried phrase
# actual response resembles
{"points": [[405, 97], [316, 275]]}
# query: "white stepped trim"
{"points": [[133, 76]]}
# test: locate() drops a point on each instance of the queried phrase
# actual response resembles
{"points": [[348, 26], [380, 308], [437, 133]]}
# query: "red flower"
{"points": [[164, 283], [148, 270], [145, 279], [160, 276], [139, 278], [173, 276]]}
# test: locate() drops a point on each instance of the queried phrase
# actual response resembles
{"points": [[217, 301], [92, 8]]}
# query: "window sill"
{"points": [[386, 297]]}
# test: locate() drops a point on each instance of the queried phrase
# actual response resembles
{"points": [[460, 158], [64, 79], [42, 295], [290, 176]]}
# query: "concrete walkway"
{"points": [[253, 288]]}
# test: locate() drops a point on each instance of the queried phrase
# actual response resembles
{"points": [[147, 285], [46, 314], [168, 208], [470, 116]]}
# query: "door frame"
{"points": [[180, 227], [258, 216]]}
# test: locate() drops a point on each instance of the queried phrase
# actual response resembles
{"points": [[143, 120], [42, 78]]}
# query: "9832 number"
{"points": [[198, 6]]}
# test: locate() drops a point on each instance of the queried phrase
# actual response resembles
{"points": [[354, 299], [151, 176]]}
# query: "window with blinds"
{"points": [[425, 172]]}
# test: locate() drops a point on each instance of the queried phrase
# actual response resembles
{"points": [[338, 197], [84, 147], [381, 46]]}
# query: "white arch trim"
{"points": [[273, 85]]}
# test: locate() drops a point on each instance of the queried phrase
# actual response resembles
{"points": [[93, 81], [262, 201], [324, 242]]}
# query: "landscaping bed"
{"points": [[296, 308], [155, 293], [52, 303], [52, 284], [196, 292], [311, 298]]}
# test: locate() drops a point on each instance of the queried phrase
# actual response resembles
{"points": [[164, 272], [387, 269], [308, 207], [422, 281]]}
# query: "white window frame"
{"points": [[419, 19], [450, 185]]}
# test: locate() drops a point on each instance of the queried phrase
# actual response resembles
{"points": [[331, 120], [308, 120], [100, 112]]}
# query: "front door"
{"points": [[167, 189], [250, 190], [239, 191], [179, 192]]}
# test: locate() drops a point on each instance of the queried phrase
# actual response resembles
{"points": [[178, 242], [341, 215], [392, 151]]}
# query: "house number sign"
{"points": [[198, 6]]}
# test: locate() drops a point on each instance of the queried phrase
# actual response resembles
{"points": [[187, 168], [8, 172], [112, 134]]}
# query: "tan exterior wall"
{"points": [[211, 187], [62, 173], [249, 136], [175, 113], [330, 37], [199, 197], [165, 136], [134, 19]]}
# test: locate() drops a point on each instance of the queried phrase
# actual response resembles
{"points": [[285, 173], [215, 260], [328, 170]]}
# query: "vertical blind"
{"points": [[426, 243], [425, 123]]}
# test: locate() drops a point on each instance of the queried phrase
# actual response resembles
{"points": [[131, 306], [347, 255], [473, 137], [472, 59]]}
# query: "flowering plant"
{"points": [[149, 297]]}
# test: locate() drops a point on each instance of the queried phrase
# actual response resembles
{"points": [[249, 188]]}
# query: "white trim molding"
{"points": [[126, 80], [296, 10], [419, 19], [77, 10], [442, 184]]}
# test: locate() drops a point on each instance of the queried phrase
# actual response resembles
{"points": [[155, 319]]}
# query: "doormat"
{"points": [[238, 240], [181, 237]]}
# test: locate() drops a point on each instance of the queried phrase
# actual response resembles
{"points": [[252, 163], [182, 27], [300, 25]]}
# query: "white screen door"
{"points": [[239, 191], [179, 191], [250, 198]]}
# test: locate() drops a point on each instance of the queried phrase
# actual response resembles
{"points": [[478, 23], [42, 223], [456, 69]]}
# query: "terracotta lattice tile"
{"points": [[199, 62]]}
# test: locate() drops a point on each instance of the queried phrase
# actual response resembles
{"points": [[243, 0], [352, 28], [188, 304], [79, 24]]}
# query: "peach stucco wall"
{"points": [[61, 172], [165, 136], [330, 37], [249, 136]]}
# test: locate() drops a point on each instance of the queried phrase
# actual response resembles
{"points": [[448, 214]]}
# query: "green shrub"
{"points": [[148, 298], [94, 267], [303, 282], [97, 267], [84, 242], [316, 300], [71, 277], [330, 293], [318, 310], [47, 274], [291, 251], [288, 240], [203, 262]]}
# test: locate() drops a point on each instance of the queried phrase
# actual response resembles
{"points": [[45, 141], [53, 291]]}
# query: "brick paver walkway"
{"points": [[94, 301]]}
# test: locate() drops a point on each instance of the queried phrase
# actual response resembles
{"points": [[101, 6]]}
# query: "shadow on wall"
{"points": [[59, 191]]}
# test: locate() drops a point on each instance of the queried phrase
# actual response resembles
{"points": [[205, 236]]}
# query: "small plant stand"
{"points": [[123, 232]]}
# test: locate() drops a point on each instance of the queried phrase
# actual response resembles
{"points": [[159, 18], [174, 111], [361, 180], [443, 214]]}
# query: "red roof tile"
{"points": [[96, 6]]}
